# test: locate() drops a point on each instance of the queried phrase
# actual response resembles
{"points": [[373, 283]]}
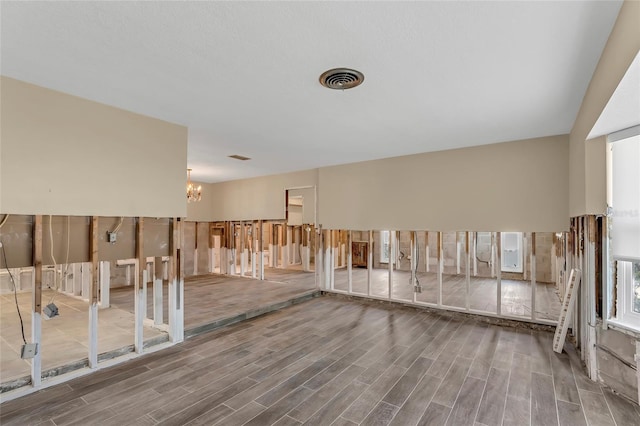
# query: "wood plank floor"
{"points": [[332, 361]]}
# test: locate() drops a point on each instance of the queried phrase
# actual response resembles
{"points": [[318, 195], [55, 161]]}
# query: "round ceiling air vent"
{"points": [[341, 78]]}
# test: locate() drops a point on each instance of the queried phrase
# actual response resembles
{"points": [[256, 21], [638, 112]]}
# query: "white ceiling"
{"points": [[243, 76]]}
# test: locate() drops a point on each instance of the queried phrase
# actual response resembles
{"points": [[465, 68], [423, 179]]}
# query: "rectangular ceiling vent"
{"points": [[239, 157]]}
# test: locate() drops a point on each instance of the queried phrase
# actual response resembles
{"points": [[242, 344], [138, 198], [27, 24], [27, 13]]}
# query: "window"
{"points": [[628, 306], [624, 166], [511, 255], [384, 247]]}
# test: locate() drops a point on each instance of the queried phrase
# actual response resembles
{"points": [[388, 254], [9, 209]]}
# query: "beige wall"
{"points": [[309, 203], [586, 195], [514, 186], [248, 199], [65, 155]]}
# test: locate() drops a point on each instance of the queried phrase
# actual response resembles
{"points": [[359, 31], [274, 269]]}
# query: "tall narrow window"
{"points": [[625, 227]]}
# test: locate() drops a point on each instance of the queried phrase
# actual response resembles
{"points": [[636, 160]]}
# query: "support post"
{"points": [[93, 296], [141, 278], [36, 314]]}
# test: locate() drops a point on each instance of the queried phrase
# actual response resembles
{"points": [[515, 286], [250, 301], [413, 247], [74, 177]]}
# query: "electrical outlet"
{"points": [[29, 351], [111, 237], [51, 310]]}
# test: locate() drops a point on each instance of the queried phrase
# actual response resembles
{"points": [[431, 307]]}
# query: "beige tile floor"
{"points": [[64, 337]]}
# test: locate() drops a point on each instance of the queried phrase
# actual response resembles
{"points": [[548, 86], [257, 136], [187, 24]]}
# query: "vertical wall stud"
{"points": [[319, 258], [427, 253], [157, 291], [392, 259], [413, 263], [440, 268], [370, 263], [475, 254], [328, 257], [93, 295], [498, 269], [105, 284], [139, 298], [533, 275], [243, 247], [467, 265], [36, 314], [349, 261], [590, 316], [261, 247], [195, 251], [458, 250]]}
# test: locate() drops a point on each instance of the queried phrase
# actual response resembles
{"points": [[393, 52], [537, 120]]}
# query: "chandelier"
{"points": [[194, 193]]}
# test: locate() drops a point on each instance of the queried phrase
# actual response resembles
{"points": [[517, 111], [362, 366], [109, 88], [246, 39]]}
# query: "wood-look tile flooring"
{"points": [[208, 298], [516, 295], [332, 361]]}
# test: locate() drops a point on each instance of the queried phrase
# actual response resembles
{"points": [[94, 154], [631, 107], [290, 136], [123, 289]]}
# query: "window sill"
{"points": [[623, 327]]}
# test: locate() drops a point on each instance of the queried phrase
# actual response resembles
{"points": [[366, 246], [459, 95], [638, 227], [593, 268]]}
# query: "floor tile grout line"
{"points": [[608, 407], [369, 386], [553, 383]]}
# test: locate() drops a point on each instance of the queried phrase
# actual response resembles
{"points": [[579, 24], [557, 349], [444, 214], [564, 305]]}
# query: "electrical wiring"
{"points": [[117, 228], [475, 242], [6, 217], [15, 291], [63, 274]]}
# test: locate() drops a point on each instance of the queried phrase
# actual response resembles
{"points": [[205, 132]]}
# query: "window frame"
{"points": [[625, 314]]}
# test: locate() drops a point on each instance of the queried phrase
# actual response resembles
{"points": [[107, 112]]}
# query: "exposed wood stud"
{"points": [[37, 263], [370, 263], [349, 262], [139, 299], [533, 275], [498, 273], [93, 295], [440, 268], [93, 290], [36, 318], [467, 265]]}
